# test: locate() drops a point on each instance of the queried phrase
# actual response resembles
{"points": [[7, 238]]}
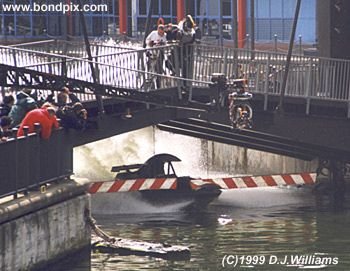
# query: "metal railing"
{"points": [[115, 66], [308, 78], [31, 162]]}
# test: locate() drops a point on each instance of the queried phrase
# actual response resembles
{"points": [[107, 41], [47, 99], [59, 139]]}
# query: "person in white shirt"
{"points": [[156, 37]]}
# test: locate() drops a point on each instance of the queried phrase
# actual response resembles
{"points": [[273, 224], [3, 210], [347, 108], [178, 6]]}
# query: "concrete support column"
{"points": [[44, 227], [180, 10], [123, 17]]}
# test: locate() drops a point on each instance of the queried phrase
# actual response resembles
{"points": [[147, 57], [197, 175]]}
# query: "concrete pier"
{"points": [[43, 227]]}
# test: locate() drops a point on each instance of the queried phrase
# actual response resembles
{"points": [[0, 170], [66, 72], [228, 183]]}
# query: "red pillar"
{"points": [[180, 10], [242, 18], [123, 17], [69, 20]]}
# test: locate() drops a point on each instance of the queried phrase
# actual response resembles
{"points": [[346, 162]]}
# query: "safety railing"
{"points": [[31, 162], [308, 77], [131, 67], [140, 69], [75, 48]]}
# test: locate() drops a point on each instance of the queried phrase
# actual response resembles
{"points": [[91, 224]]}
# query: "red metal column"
{"points": [[180, 10], [242, 18], [69, 20], [123, 17]]}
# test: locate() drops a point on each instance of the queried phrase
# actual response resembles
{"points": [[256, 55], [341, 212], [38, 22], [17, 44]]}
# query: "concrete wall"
{"points": [[237, 160], [53, 230], [200, 158]]}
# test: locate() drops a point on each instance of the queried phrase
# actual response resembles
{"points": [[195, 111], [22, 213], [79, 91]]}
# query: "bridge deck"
{"points": [[314, 86]]}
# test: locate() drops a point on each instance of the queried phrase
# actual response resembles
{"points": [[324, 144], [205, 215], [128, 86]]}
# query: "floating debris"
{"points": [[123, 246], [102, 242]]}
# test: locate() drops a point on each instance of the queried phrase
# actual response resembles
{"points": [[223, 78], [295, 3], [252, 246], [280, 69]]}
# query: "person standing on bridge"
{"points": [[171, 31], [155, 58], [186, 36], [156, 37]]}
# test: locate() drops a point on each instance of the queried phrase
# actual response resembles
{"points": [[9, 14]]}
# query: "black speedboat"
{"points": [[157, 184]]}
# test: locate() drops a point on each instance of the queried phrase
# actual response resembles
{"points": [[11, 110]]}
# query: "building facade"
{"points": [[39, 18]]}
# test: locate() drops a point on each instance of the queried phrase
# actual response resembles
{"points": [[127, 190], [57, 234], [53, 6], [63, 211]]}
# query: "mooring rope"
{"points": [[100, 233]]}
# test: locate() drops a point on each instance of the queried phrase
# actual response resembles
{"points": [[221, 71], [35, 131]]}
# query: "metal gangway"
{"points": [[122, 68], [125, 67], [121, 73]]}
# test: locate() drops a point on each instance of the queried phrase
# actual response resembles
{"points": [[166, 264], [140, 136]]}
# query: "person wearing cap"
{"points": [[24, 103], [45, 116], [156, 37]]}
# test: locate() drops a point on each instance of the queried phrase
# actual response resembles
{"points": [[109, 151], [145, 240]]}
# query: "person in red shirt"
{"points": [[46, 117]]}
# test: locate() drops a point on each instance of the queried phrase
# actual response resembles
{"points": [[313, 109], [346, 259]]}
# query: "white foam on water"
{"points": [[130, 203], [261, 197], [94, 161], [188, 149]]}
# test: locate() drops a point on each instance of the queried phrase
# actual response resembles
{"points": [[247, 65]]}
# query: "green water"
{"points": [[264, 235]]}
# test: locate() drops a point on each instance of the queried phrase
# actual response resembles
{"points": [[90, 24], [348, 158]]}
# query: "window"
{"points": [[23, 26], [166, 7], [213, 8], [226, 8], [143, 7], [155, 6], [190, 7], [39, 24], [276, 9]]}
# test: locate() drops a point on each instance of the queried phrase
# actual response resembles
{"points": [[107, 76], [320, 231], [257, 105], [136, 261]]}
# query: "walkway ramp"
{"points": [[251, 139]]}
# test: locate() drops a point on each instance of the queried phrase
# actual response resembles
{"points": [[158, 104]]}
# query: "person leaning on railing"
{"points": [[6, 105], [74, 116], [156, 37], [24, 103], [65, 97], [186, 37], [155, 57], [5, 130], [171, 31], [45, 116]]}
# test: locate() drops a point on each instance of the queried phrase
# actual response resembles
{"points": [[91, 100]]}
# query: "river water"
{"points": [[270, 233], [245, 229]]}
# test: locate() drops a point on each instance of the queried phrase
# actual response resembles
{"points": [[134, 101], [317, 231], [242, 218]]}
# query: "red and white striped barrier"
{"points": [[258, 181], [224, 183], [133, 185]]}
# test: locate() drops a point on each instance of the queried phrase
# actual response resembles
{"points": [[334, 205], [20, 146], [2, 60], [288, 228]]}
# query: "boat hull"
{"points": [[153, 201]]}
